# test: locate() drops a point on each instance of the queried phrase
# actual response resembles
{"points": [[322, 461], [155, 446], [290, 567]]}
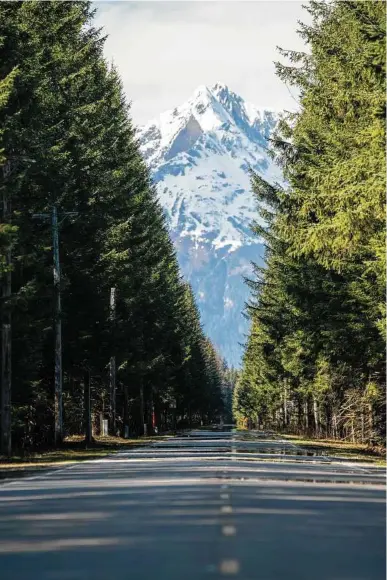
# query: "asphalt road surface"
{"points": [[210, 505]]}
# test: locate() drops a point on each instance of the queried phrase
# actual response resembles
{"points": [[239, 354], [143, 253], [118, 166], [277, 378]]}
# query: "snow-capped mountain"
{"points": [[199, 154]]}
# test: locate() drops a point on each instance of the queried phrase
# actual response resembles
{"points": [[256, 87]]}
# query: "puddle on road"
{"points": [[296, 479], [191, 451], [282, 451], [232, 448], [255, 437]]}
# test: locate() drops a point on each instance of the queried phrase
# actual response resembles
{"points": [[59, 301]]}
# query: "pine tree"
{"points": [[332, 151], [63, 108]]}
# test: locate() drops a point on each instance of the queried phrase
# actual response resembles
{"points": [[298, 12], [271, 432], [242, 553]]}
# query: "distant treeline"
{"points": [[315, 358], [67, 142]]}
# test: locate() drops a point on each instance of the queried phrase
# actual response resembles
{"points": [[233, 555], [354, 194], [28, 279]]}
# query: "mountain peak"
{"points": [[219, 87], [203, 149], [199, 154], [210, 92], [202, 91]]}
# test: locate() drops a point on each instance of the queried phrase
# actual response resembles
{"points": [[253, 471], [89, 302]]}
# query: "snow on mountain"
{"points": [[199, 154]]}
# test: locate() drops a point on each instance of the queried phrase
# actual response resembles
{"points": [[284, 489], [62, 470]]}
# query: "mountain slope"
{"points": [[199, 154]]}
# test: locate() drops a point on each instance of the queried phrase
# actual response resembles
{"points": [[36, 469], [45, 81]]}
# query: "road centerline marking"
{"points": [[229, 530], [229, 567], [226, 509]]}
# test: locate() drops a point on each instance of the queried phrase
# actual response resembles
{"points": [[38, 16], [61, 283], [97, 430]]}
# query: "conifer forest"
{"points": [[97, 322], [315, 357], [85, 255]]}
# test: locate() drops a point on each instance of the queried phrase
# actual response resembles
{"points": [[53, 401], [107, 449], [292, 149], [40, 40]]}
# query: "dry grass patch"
{"points": [[73, 450], [340, 448]]}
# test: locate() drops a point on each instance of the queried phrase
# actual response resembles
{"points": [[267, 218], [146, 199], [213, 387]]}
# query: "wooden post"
{"points": [[112, 368], [6, 337], [58, 428]]}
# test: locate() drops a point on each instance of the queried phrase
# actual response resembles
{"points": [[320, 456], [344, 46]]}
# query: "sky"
{"points": [[165, 50]]}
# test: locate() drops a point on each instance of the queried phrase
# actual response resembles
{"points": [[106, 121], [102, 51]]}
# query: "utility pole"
{"points": [[6, 339], [58, 403], [58, 406], [112, 367]]}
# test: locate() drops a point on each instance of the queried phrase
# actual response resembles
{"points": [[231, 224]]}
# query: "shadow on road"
{"points": [[167, 518]]}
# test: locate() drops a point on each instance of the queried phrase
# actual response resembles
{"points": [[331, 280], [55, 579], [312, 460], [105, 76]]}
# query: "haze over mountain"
{"points": [[199, 154]]}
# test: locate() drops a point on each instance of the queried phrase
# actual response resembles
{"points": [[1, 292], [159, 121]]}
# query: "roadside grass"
{"points": [[72, 451], [339, 448]]}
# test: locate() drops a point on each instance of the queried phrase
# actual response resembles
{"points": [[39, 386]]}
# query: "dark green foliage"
{"points": [[66, 134], [315, 356]]}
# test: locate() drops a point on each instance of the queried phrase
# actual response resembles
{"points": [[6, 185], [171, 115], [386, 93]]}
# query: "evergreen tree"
{"points": [[65, 125], [314, 359]]}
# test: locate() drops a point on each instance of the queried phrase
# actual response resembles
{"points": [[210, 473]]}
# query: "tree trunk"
{"points": [[6, 365], [158, 415], [306, 412], [353, 431], [87, 408], [142, 410], [6, 441], [370, 421], [125, 414], [316, 416], [334, 425], [150, 410], [362, 426], [299, 415]]}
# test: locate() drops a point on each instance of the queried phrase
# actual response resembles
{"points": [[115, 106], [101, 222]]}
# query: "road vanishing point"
{"points": [[204, 505]]}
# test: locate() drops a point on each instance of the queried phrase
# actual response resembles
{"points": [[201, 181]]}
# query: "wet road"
{"points": [[208, 506]]}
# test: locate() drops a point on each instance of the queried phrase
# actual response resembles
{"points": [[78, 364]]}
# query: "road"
{"points": [[207, 506]]}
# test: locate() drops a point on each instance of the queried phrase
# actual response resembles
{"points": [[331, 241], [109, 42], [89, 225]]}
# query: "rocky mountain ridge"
{"points": [[199, 155]]}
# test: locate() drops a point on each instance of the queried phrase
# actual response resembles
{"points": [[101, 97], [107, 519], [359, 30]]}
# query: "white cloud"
{"points": [[164, 50]]}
